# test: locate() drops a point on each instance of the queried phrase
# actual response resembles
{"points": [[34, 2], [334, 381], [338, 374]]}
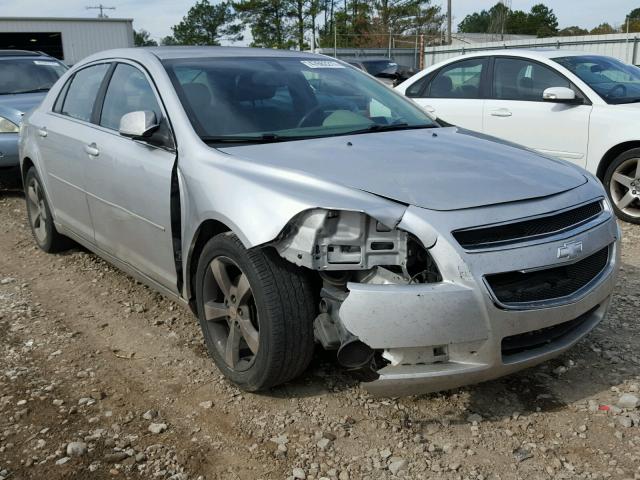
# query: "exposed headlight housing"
{"points": [[340, 240], [7, 126]]}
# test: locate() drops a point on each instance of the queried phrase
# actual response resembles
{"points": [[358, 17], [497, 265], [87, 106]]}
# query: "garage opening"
{"points": [[47, 42]]}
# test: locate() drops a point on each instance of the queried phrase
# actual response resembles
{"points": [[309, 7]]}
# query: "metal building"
{"points": [[69, 39]]}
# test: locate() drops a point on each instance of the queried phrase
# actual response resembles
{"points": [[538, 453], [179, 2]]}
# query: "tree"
{"points": [[142, 38], [633, 19], [269, 21], [602, 29], [207, 24], [573, 31], [168, 41], [540, 21], [543, 21], [475, 23]]}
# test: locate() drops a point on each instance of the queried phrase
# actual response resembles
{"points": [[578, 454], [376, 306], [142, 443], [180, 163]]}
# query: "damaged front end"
{"points": [[419, 311], [348, 248]]}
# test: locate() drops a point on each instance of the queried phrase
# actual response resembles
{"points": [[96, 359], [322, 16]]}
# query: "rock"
{"points": [[626, 422], [344, 475], [628, 400], [207, 404], [521, 454], [7, 280], [62, 460], [323, 443], [299, 474], [384, 454], [76, 449], [115, 457], [474, 417], [396, 464], [157, 427], [149, 414]]}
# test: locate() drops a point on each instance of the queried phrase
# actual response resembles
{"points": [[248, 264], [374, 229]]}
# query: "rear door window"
{"points": [[82, 92], [459, 80]]}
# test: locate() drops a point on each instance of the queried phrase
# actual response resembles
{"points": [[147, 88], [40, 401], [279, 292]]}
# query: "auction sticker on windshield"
{"points": [[321, 64]]}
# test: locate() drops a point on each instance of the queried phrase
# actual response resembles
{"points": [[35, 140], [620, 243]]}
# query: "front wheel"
{"points": [[256, 312], [622, 181], [40, 218]]}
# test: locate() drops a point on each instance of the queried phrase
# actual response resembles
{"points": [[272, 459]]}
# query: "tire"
{"points": [[40, 219], [279, 307], [621, 180]]}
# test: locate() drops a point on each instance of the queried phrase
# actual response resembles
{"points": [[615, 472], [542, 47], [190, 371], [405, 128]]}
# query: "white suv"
{"points": [[572, 105]]}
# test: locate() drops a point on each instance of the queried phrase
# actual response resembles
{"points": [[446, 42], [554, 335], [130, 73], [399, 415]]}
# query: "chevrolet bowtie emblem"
{"points": [[570, 250]]}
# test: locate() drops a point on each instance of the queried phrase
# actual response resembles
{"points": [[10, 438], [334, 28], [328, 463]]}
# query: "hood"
{"points": [[13, 106], [438, 169]]}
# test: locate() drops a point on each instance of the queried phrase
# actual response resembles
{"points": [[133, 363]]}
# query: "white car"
{"points": [[572, 105]]}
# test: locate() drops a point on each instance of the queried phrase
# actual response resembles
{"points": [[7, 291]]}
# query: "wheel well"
{"points": [[612, 154], [26, 165], [206, 231]]}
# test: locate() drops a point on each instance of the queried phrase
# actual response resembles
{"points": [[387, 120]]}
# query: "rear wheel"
{"points": [[256, 312], [622, 181], [40, 218]]}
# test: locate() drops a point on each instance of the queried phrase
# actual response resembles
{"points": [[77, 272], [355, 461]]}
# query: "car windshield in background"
{"points": [[614, 81], [239, 100], [376, 67], [27, 75]]}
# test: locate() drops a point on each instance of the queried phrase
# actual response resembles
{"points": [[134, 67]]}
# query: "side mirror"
{"points": [[138, 124], [560, 95]]}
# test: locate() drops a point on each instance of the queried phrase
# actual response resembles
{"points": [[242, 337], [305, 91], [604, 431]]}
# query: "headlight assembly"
{"points": [[7, 126]]}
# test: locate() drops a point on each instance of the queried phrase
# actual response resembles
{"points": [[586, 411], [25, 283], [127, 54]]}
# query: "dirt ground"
{"points": [[92, 363]]}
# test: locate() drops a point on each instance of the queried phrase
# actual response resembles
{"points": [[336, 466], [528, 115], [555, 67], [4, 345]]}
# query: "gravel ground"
{"points": [[100, 377]]}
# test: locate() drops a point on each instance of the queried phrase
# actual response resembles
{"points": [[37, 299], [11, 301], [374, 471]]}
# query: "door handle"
{"points": [[42, 131], [92, 150], [501, 112]]}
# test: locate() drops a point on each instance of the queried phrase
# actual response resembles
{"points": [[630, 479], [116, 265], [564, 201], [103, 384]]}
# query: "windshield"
{"points": [[375, 67], [26, 75], [276, 99], [614, 81]]}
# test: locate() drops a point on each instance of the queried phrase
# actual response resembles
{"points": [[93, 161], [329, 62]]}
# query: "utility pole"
{"points": [[449, 41], [102, 8]]}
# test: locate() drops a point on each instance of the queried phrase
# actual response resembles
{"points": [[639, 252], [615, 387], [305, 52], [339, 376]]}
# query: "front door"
{"points": [[517, 112], [129, 182]]}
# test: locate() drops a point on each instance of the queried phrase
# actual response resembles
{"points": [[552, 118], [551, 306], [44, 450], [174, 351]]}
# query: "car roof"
{"points": [[530, 53], [165, 53], [21, 53]]}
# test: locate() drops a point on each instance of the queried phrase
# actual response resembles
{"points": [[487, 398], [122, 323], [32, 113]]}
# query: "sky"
{"points": [[157, 16]]}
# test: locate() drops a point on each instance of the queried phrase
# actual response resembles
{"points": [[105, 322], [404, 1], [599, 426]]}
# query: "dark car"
{"points": [[386, 70], [25, 78]]}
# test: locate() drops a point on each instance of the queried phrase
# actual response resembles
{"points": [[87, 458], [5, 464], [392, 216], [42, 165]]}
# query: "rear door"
{"points": [[129, 181], [517, 112], [455, 93], [62, 137]]}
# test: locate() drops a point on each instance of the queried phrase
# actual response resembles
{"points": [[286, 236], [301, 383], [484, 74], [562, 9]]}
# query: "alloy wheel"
{"points": [[625, 187], [37, 210], [230, 313]]}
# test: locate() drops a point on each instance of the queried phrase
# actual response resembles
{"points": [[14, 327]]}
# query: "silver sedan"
{"points": [[292, 200]]}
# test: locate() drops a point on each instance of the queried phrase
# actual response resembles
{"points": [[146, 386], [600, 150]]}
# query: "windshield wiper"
{"points": [[34, 90], [376, 127], [628, 100], [264, 138]]}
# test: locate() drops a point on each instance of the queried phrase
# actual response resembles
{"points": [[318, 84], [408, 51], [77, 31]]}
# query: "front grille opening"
{"points": [[552, 283], [543, 337], [526, 229]]}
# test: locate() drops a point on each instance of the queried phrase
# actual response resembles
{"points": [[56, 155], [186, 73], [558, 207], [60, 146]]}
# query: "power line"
{"points": [[102, 8]]}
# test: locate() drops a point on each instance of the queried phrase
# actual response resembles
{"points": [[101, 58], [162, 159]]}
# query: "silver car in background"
{"points": [[291, 200], [25, 77]]}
